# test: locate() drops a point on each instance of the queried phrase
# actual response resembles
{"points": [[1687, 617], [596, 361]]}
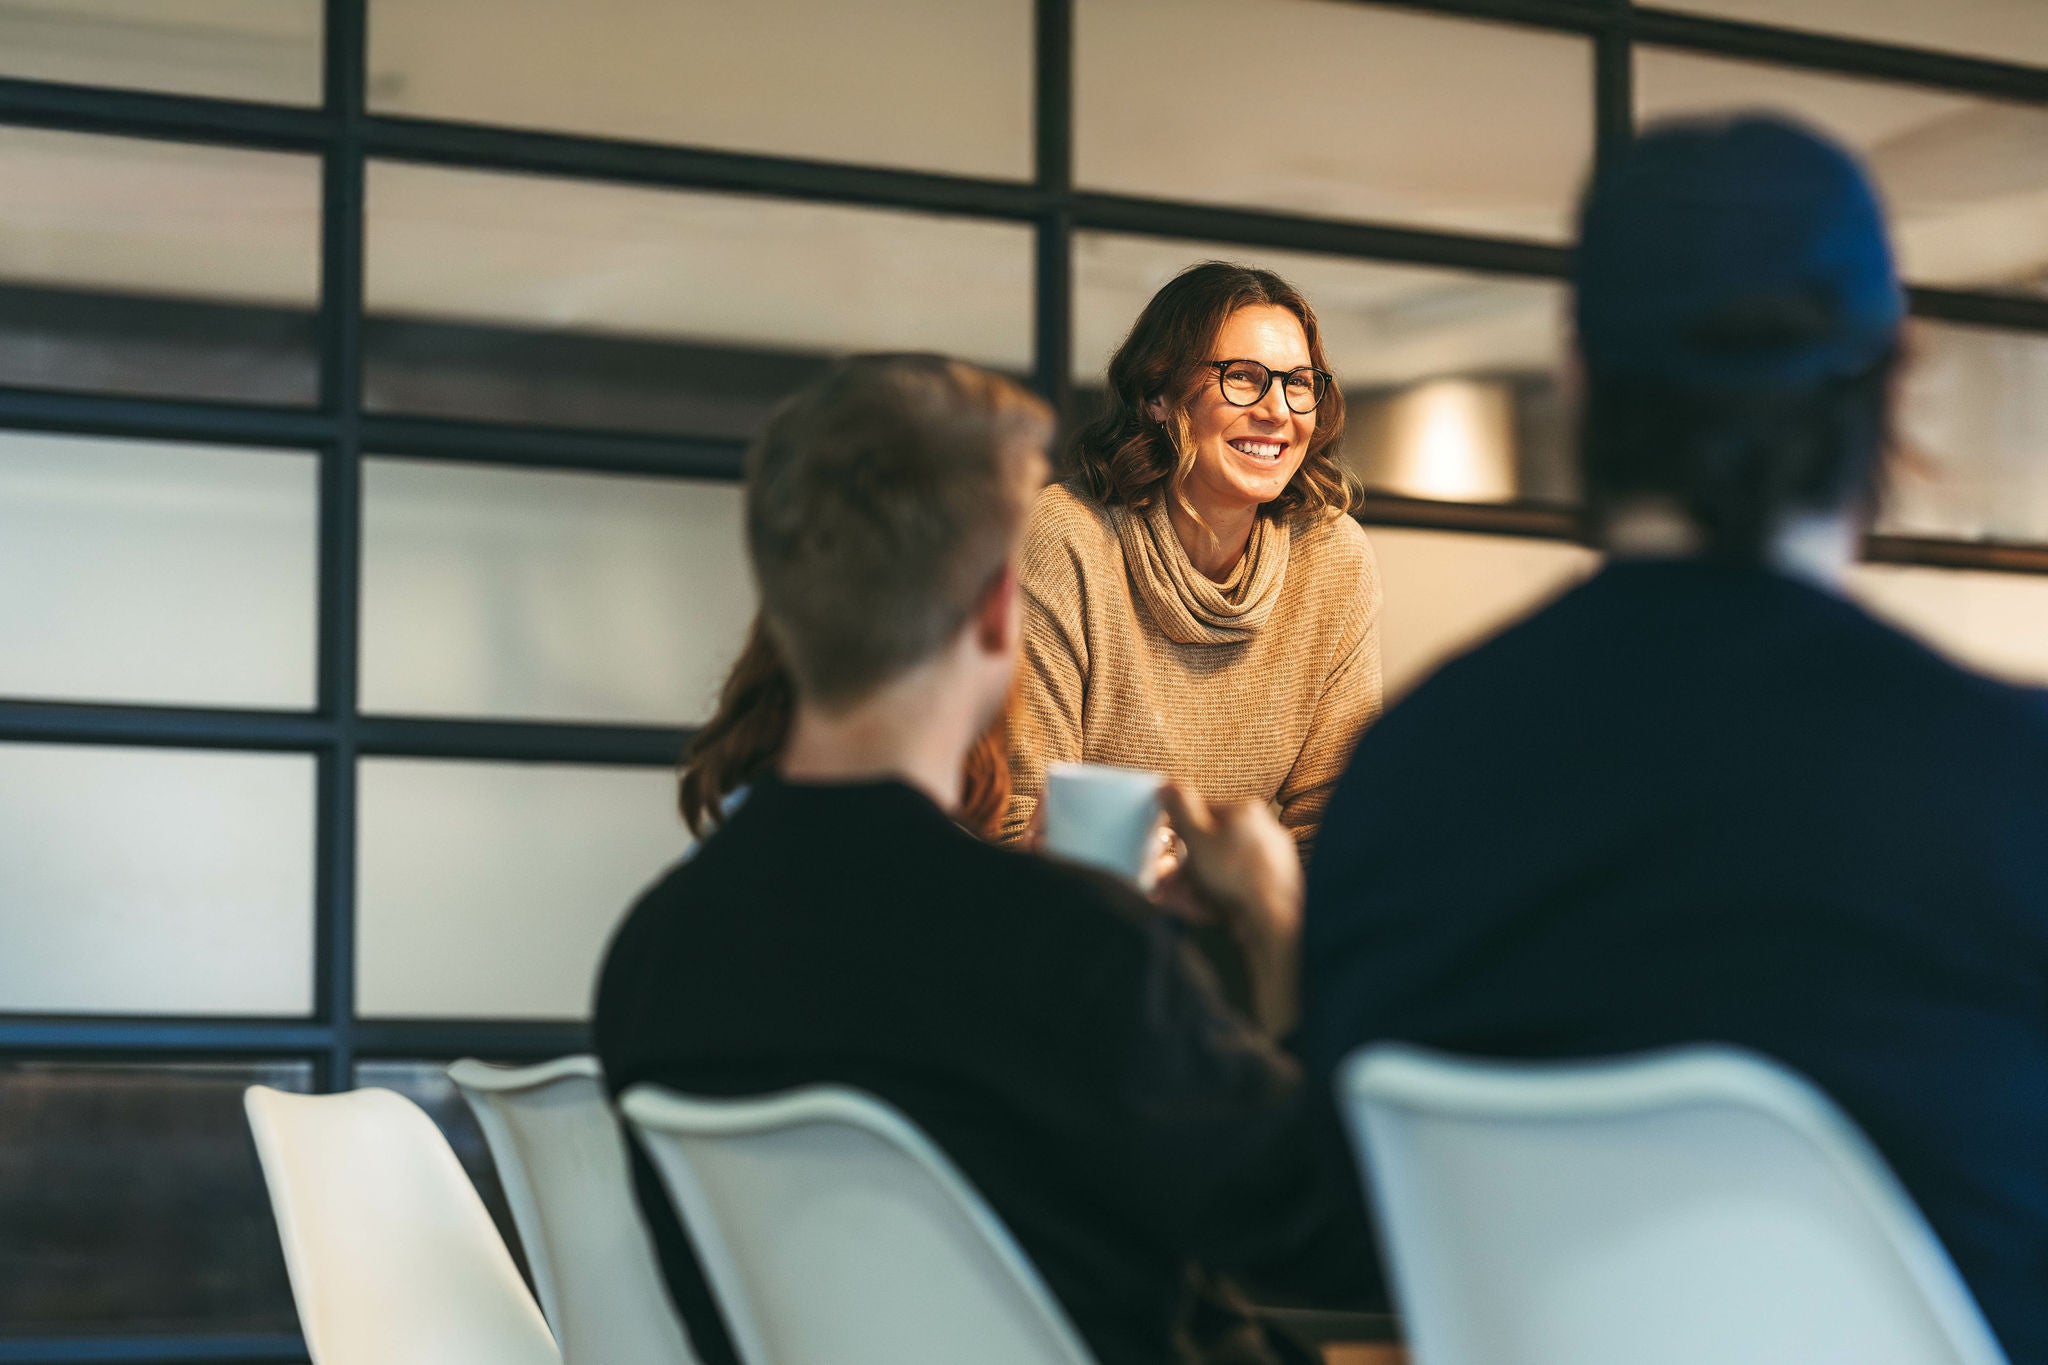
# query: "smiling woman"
{"points": [[1196, 600]]}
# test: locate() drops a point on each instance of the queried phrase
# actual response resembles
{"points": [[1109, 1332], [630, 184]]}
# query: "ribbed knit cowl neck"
{"points": [[1189, 606]]}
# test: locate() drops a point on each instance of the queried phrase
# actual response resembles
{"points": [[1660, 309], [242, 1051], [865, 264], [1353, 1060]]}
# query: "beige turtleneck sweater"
{"points": [[1254, 689]]}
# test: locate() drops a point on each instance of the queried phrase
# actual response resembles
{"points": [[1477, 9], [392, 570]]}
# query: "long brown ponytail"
{"points": [[740, 742]]}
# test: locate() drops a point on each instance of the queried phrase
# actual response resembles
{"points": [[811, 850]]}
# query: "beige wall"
{"points": [[1447, 591], [1993, 621]]}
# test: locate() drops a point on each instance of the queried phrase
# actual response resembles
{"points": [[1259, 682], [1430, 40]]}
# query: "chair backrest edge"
{"points": [[1409, 1077]]}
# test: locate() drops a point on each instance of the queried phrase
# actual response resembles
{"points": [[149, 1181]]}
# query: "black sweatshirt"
{"points": [[1046, 1027]]}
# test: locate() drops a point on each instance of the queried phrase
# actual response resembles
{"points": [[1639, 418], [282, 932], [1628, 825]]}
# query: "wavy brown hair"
{"points": [[1125, 456], [741, 741]]}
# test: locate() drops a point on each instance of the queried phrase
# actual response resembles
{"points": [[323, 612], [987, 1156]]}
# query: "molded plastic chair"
{"points": [[834, 1233], [393, 1258], [1693, 1207], [562, 1159]]}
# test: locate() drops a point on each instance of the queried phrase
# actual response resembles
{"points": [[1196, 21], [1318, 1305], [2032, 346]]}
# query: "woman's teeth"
{"points": [[1259, 450]]}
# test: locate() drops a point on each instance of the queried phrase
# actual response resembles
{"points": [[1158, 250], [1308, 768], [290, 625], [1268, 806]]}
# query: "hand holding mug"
{"points": [[1104, 817], [1244, 866]]}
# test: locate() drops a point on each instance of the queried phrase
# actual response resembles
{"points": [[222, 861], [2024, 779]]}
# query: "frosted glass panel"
{"points": [[2004, 30], [155, 881], [160, 268], [571, 303], [1338, 110], [1974, 422], [1965, 178], [499, 592], [490, 889], [135, 572], [1450, 377], [131, 1202], [240, 49], [935, 85]]}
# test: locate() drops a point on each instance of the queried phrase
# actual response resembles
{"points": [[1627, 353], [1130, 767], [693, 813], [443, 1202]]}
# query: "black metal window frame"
{"points": [[346, 136]]}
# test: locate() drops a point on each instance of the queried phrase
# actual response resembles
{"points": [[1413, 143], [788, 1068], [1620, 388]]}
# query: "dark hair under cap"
{"points": [[1739, 315]]}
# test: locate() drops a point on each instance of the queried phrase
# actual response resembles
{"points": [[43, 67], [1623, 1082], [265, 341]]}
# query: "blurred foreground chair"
{"points": [[562, 1160], [1694, 1207], [834, 1233], [393, 1258]]}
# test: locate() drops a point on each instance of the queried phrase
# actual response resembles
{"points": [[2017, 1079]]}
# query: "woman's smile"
{"points": [[1265, 452]]}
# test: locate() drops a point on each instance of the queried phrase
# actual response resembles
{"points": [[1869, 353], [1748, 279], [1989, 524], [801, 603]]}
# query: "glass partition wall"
{"points": [[373, 379]]}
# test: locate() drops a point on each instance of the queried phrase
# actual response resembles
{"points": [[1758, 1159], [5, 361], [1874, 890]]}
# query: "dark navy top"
{"points": [[1688, 802]]}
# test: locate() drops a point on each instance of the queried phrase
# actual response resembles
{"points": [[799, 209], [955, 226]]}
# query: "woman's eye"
{"points": [[1251, 377]]}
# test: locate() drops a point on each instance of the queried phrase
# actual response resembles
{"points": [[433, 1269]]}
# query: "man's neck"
{"points": [[1820, 549], [910, 731], [1817, 548]]}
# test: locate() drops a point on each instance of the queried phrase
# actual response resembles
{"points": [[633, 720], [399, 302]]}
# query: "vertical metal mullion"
{"points": [[341, 295], [1614, 114], [1053, 274]]}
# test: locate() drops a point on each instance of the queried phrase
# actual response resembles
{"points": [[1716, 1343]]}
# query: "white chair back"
{"points": [[834, 1233], [562, 1159], [1694, 1207], [392, 1256]]}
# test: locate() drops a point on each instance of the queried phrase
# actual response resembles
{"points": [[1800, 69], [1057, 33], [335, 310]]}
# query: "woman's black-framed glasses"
{"points": [[1244, 382]]}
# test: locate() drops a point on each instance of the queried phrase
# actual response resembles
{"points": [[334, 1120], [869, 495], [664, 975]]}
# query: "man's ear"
{"points": [[998, 617]]}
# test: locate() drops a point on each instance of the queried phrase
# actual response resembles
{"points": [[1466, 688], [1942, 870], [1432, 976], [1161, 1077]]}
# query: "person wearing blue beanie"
{"points": [[1704, 796]]}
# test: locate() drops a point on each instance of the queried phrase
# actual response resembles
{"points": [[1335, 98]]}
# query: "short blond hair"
{"points": [[882, 501]]}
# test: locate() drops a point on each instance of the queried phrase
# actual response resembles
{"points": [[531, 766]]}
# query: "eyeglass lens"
{"points": [[1245, 382]]}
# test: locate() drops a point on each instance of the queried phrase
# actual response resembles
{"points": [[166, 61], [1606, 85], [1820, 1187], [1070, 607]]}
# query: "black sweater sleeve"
{"points": [[1219, 1147]]}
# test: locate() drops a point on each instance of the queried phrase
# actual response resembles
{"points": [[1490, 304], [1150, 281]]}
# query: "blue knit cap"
{"points": [[1743, 253]]}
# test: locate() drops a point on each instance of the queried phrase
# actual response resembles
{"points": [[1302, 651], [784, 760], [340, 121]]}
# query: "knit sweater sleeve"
{"points": [[1052, 669], [1351, 700]]}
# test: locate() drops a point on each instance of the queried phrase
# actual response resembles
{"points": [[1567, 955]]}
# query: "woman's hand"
{"points": [[1244, 867]]}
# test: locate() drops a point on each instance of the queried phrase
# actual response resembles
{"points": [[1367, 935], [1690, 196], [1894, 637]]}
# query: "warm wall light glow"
{"points": [[1452, 439]]}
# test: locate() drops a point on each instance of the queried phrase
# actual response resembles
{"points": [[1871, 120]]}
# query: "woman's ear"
{"points": [[1155, 408]]}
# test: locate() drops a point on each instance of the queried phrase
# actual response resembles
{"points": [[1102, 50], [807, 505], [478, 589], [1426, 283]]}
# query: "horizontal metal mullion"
{"points": [[2009, 311], [1563, 524], [1538, 521], [1578, 16], [181, 118], [36, 722], [492, 1039], [1956, 554], [114, 415], [1282, 232], [115, 1036], [598, 451], [519, 741], [480, 147], [99, 414], [154, 1350], [1847, 56]]}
